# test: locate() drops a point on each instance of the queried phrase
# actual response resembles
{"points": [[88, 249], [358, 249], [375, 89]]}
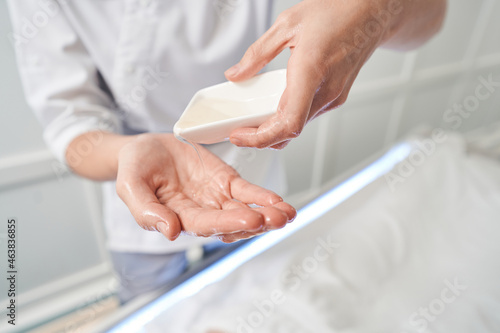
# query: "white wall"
{"points": [[61, 239], [60, 253]]}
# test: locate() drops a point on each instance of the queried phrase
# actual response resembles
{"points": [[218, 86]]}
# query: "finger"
{"points": [[148, 212], [287, 209], [249, 193], [281, 145], [233, 204], [327, 103], [260, 53], [316, 115], [293, 110], [231, 238], [208, 222], [274, 218], [271, 223]]}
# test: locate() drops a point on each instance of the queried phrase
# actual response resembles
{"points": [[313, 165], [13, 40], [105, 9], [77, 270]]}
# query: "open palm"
{"points": [[169, 189]]}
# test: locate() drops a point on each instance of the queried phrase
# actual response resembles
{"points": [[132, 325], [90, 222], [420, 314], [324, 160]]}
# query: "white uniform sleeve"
{"points": [[60, 80]]}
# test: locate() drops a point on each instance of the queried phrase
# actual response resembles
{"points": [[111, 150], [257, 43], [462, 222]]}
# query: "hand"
{"points": [[167, 189], [330, 40]]}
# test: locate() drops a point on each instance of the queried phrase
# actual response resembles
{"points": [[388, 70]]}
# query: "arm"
{"points": [[100, 160], [330, 40], [167, 189], [417, 23]]}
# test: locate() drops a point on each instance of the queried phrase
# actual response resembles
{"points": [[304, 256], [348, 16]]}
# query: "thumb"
{"points": [[148, 212], [293, 110], [259, 54]]}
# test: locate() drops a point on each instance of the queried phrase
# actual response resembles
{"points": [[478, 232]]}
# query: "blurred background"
{"points": [[64, 266]]}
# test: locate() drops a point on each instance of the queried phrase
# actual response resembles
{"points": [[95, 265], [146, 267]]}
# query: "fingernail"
{"points": [[275, 200], [294, 215], [233, 70], [176, 235]]}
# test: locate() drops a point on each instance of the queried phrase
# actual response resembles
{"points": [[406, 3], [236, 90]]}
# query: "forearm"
{"points": [[94, 155], [417, 22]]}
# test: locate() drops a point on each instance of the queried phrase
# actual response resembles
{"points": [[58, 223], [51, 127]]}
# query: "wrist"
{"points": [[137, 144], [119, 144], [384, 20], [94, 155], [394, 9]]}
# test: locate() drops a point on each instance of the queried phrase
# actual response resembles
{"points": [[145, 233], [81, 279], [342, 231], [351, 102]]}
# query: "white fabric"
{"points": [[129, 66], [429, 248]]}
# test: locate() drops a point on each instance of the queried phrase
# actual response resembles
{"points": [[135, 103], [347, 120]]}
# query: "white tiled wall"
{"points": [[394, 93], [60, 237], [455, 37], [490, 42], [14, 114], [299, 151], [55, 226], [425, 105], [372, 117], [383, 64]]}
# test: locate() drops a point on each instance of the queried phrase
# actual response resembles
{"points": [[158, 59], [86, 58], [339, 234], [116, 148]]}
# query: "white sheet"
{"points": [[423, 256]]}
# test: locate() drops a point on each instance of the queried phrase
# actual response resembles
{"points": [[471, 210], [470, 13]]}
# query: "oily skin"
{"points": [[164, 184], [330, 41]]}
